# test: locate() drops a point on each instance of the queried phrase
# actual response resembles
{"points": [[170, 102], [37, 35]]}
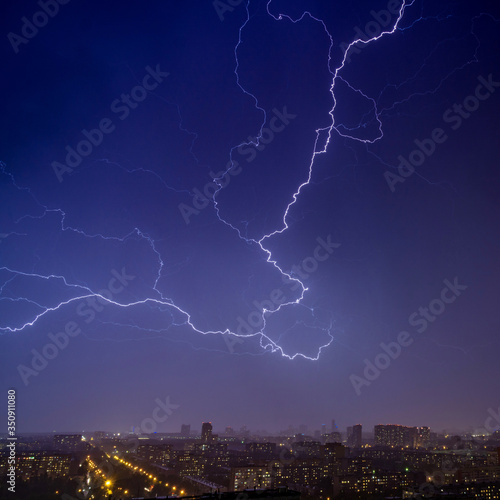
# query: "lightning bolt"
{"points": [[181, 317], [335, 74]]}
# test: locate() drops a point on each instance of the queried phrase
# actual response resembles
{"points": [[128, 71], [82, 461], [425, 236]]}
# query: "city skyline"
{"points": [[488, 428], [401, 461], [251, 213]]}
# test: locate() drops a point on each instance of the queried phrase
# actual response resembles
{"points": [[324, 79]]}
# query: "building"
{"points": [[68, 442], [243, 478], [355, 436], [159, 454], [484, 474], [332, 452], [304, 472], [215, 453], [307, 449], [480, 491], [260, 450], [333, 437], [206, 432], [332, 455], [53, 464], [375, 483], [424, 437], [191, 464], [334, 426], [396, 436]]}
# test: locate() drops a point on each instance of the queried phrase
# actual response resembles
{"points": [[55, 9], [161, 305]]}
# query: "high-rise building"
{"points": [[206, 432], [424, 437], [389, 435], [354, 436], [357, 436], [334, 426], [332, 455], [185, 430], [396, 436]]}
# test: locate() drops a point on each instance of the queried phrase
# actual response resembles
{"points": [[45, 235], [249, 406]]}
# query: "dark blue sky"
{"points": [[119, 273]]}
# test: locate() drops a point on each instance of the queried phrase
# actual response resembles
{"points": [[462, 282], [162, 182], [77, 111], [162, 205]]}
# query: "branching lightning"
{"points": [[157, 298]]}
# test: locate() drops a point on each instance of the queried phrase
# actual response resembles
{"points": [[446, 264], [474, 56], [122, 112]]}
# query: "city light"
{"points": [[250, 248]]}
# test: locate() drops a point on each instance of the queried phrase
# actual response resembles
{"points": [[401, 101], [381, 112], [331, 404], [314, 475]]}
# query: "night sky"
{"points": [[215, 207]]}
